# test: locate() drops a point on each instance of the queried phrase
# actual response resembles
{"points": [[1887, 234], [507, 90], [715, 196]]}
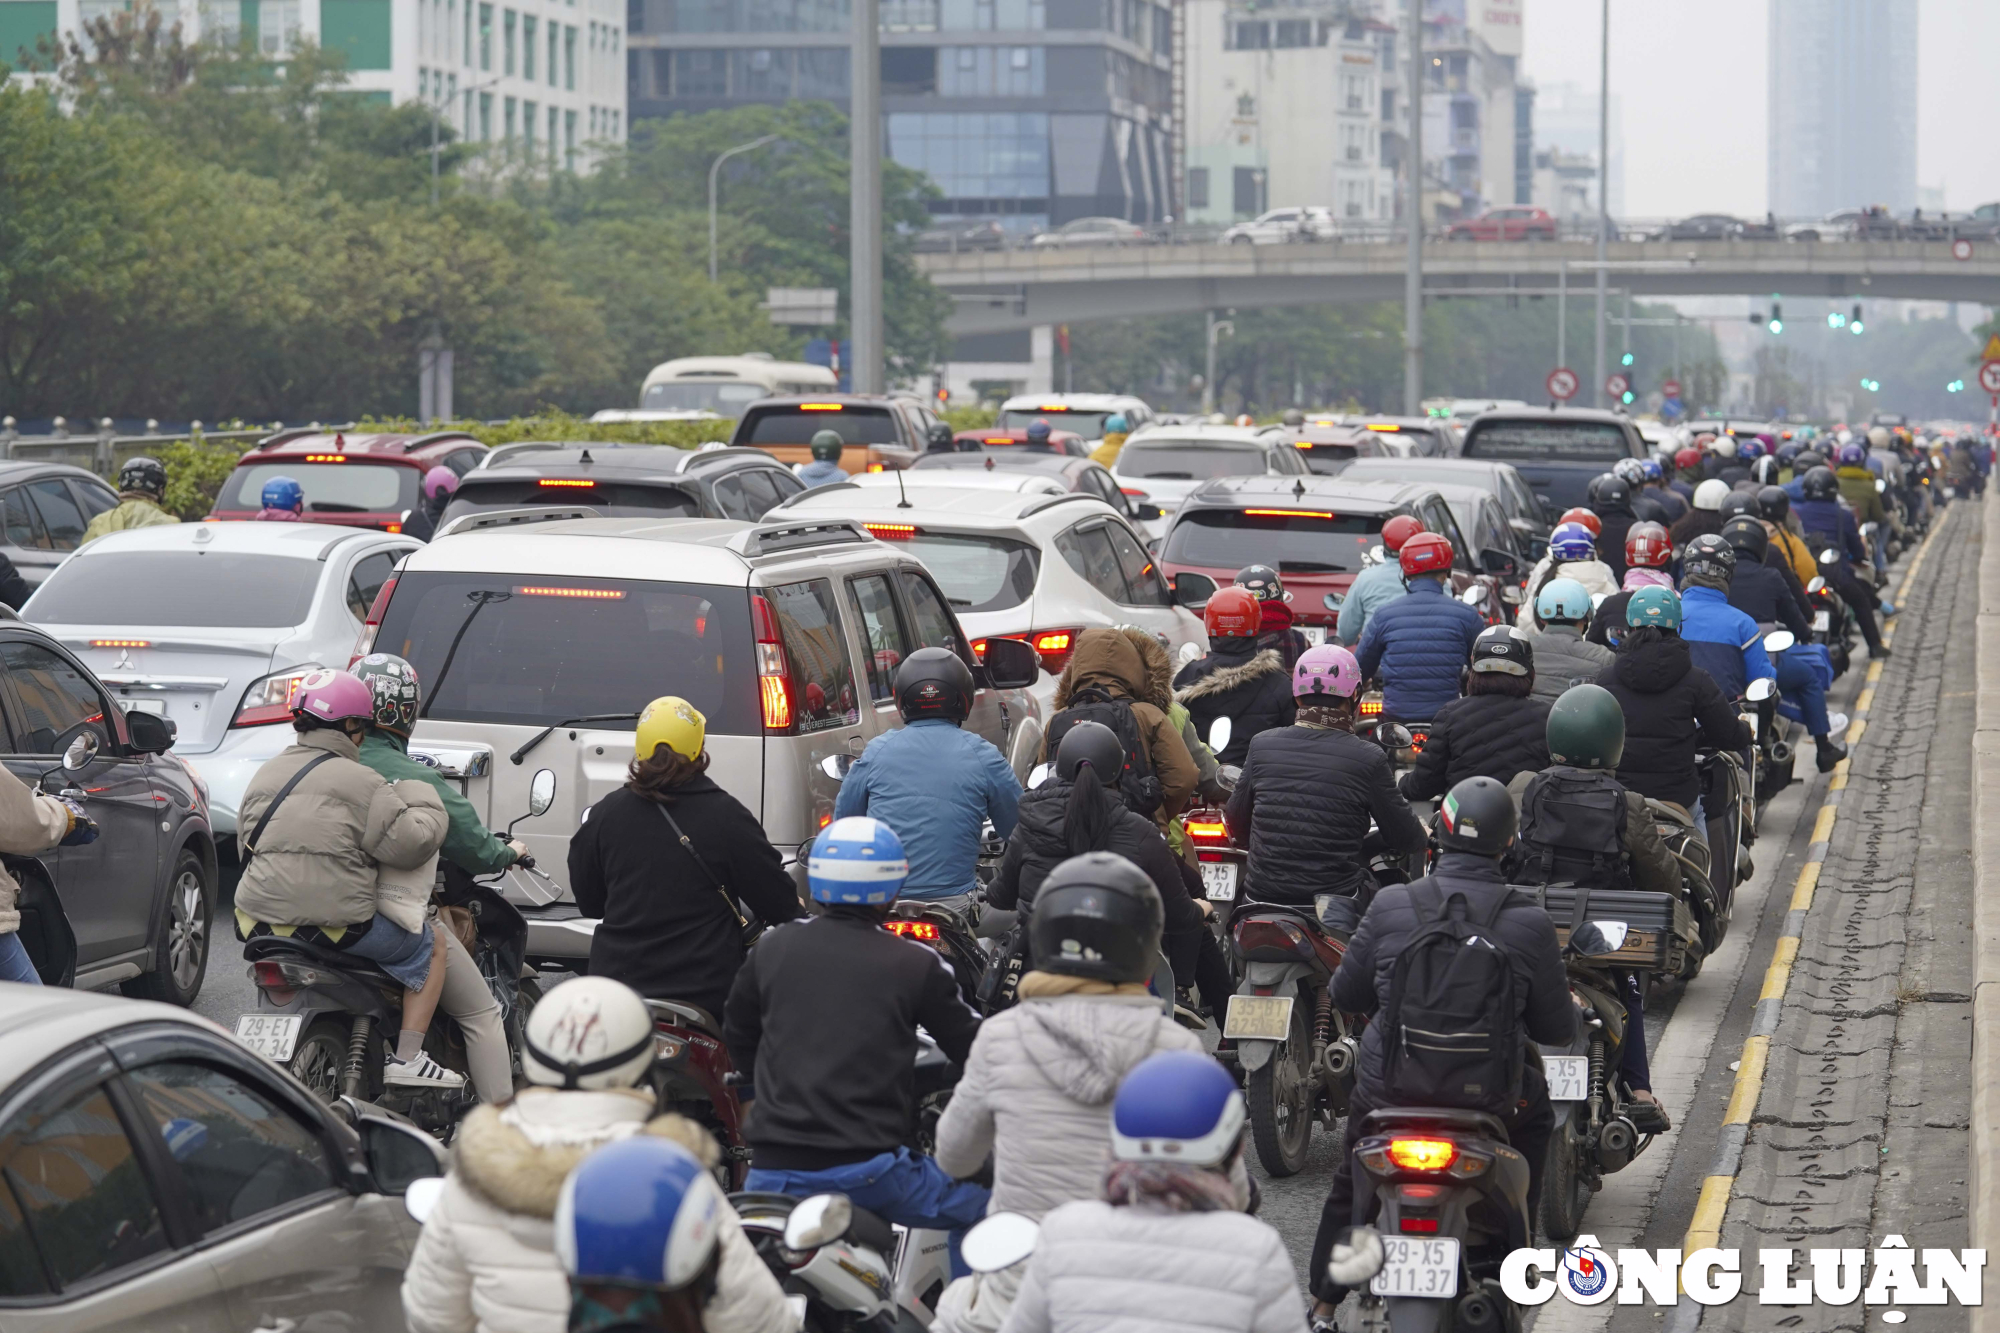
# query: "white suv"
{"points": [[538, 643], [1169, 463], [1082, 413]]}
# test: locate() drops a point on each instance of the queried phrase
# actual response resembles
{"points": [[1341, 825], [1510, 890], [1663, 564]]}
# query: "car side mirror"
{"points": [[398, 1155], [1000, 1241], [1778, 640], [1011, 664], [816, 1221], [1193, 590], [151, 734], [1219, 733], [1499, 563], [542, 792], [1599, 939], [1145, 511], [1760, 689]]}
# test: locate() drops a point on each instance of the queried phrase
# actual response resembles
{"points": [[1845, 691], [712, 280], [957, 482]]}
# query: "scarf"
{"points": [[1046, 985], [1175, 1187], [1638, 577], [1325, 719]]}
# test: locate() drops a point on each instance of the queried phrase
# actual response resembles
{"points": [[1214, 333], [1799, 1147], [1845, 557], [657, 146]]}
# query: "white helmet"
{"points": [[1709, 495], [1723, 445], [589, 1032], [1878, 437]]}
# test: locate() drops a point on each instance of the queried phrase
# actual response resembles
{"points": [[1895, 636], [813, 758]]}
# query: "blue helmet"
{"points": [[639, 1212], [1564, 602], [857, 860], [1750, 448], [1116, 421], [1853, 455], [1572, 541], [1651, 467], [284, 493], [1654, 606], [1038, 431], [1177, 1106]]}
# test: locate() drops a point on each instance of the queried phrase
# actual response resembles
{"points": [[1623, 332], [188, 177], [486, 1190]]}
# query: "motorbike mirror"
{"points": [[542, 792], [836, 766], [816, 1221], [1219, 733], [1000, 1241], [1189, 652], [1880, 485], [1778, 640], [1039, 775], [1379, 554], [1817, 585], [1356, 1256], [1474, 595], [422, 1196], [1331, 601], [80, 752], [1394, 736], [1829, 556], [1599, 939], [1760, 690]]}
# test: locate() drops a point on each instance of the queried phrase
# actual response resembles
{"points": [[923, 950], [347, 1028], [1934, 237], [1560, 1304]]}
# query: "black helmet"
{"points": [[1738, 502], [1478, 817], [143, 474], [1805, 460], [1746, 535], [1820, 484], [826, 445], [934, 682], [1765, 470], [1262, 581], [1709, 562], [1499, 648], [1775, 502], [1094, 744], [1587, 728], [938, 438], [1097, 916], [1608, 488]]}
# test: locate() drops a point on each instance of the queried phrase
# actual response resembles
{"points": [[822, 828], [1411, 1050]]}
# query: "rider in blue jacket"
{"points": [[1724, 642], [1817, 505], [1418, 644]]}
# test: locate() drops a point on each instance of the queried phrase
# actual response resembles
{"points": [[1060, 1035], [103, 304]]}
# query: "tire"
{"points": [[1281, 1102], [320, 1058], [187, 920], [1565, 1187]]}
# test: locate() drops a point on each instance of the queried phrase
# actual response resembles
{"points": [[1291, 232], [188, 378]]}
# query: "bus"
{"points": [[726, 385]]}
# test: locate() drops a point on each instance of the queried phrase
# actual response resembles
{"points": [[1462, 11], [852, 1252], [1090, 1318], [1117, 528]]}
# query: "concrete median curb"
{"points": [[1984, 1146]]}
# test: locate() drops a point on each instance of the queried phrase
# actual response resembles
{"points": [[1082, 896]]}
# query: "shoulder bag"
{"points": [[748, 927]]}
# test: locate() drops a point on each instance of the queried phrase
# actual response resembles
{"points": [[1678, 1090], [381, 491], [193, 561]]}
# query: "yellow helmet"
{"points": [[673, 722]]}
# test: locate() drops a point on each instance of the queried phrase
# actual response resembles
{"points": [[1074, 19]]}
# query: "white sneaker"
{"points": [[1836, 723], [422, 1072]]}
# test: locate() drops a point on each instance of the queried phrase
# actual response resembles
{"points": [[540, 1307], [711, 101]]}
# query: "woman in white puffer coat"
{"points": [[486, 1262]]}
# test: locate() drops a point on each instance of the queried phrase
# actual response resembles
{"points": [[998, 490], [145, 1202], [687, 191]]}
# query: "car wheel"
{"points": [[181, 954], [1241, 240]]}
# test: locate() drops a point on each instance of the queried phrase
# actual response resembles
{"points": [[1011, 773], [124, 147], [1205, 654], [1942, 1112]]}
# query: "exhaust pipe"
{"points": [[1478, 1311], [1338, 1062], [1615, 1143], [1781, 752]]}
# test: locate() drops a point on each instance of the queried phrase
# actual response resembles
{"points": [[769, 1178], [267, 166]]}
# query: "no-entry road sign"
{"points": [[1989, 376], [1617, 386], [1671, 389], [1562, 384]]}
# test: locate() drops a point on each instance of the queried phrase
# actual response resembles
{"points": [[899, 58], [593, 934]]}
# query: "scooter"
{"points": [[855, 1270]]}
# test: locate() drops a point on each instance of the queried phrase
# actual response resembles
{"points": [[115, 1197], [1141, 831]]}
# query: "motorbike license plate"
{"points": [[1258, 1018], [1417, 1267], [1315, 634], [1569, 1077], [270, 1035], [1218, 880], [1821, 622]]}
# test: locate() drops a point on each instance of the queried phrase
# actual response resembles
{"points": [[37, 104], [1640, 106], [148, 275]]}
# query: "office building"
{"points": [[1843, 109], [1565, 132]]}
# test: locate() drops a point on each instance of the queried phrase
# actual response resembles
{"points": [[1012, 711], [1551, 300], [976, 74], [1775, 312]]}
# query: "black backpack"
{"points": [[1138, 784], [1573, 830], [1453, 1027]]}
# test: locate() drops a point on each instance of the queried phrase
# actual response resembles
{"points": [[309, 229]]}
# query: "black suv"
{"points": [[44, 508], [625, 481]]}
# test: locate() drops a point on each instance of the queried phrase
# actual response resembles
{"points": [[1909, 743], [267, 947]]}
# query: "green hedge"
{"points": [[563, 426]]}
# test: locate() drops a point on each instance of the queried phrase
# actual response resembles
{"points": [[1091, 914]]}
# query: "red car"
{"points": [[352, 479], [1504, 224]]}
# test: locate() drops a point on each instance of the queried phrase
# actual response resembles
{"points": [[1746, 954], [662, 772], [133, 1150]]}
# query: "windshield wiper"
{"points": [[1309, 567], [479, 600], [543, 734], [965, 602], [335, 507]]}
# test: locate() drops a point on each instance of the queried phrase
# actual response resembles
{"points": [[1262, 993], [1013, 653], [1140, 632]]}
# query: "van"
{"points": [[725, 385]]}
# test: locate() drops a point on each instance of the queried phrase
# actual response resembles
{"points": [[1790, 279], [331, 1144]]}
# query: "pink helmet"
{"points": [[1328, 670], [440, 480], [332, 696]]}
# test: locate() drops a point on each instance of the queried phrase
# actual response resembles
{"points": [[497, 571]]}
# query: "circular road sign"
{"points": [[1671, 389], [1989, 376], [1562, 383], [1961, 249], [1617, 386]]}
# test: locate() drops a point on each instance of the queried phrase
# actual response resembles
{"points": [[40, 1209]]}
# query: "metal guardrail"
{"points": [[103, 449]]}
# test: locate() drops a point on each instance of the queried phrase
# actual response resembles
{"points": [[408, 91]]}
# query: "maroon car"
{"points": [[357, 480], [1504, 224]]}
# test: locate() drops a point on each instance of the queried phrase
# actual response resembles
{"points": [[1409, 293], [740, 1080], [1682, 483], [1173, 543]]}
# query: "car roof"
{"points": [[401, 449], [1594, 415], [961, 507], [38, 1023], [304, 540], [631, 462], [1392, 466], [677, 550], [21, 469], [1206, 434], [1018, 480], [1076, 402], [1360, 497]]}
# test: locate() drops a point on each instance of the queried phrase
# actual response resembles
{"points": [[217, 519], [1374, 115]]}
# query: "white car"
{"points": [[1094, 231], [209, 625], [1282, 225], [1168, 463], [912, 481], [1021, 566], [1080, 413]]}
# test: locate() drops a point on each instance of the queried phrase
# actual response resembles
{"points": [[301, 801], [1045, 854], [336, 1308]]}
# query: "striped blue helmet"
{"points": [[1572, 541], [857, 860]]}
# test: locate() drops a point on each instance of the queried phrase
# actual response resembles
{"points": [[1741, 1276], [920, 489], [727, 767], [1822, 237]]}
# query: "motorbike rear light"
{"points": [[1054, 645], [1371, 706], [270, 699], [1423, 1154], [1263, 932], [774, 685], [364, 643], [1205, 831], [914, 930], [1419, 1226]]}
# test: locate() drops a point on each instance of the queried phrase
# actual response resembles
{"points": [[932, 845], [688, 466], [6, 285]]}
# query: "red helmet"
{"points": [[1688, 457], [1399, 530], [1583, 516], [1648, 546], [1233, 613], [1425, 553]]}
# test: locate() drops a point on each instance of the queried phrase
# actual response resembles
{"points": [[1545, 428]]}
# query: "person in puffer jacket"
{"points": [[1036, 1092], [1132, 665], [1171, 1244], [1563, 656], [1648, 552], [1418, 643], [1572, 555], [1240, 679], [1672, 707], [1377, 585], [1497, 730], [486, 1261]]}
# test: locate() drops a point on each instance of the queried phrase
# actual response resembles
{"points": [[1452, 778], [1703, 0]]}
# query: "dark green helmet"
{"points": [[1587, 728], [826, 445]]}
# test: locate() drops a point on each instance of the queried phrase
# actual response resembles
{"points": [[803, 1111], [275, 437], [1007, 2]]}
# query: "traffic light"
{"points": [[1627, 399], [1854, 323], [1835, 320], [1626, 360], [1777, 324], [1956, 386], [1873, 386]]}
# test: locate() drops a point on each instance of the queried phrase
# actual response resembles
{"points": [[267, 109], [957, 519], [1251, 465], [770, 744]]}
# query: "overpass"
{"points": [[1007, 290]]}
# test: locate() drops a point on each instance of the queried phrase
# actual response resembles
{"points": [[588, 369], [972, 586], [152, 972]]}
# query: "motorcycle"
{"points": [[1774, 750], [854, 1270], [693, 1075], [1221, 862]]}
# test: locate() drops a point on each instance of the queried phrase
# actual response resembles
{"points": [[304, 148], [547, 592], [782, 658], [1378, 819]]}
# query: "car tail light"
{"points": [[270, 699], [565, 482], [1423, 1154], [121, 643], [1054, 645], [364, 643], [774, 685]]}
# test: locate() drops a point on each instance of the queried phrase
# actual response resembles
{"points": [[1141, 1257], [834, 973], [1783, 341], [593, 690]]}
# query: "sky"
{"points": [[1692, 75]]}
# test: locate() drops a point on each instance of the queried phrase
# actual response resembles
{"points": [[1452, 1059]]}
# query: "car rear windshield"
{"points": [[536, 651], [979, 573], [1189, 460], [1546, 441], [795, 425], [1298, 542], [196, 589], [478, 495], [724, 397], [1327, 459], [1090, 425], [331, 488]]}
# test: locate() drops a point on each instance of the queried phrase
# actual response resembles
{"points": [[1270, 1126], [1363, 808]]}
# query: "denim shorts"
{"points": [[403, 955]]}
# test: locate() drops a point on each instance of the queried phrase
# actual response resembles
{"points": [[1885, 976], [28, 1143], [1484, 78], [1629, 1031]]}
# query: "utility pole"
{"points": [[864, 244], [1603, 189], [714, 177], [1413, 275]]}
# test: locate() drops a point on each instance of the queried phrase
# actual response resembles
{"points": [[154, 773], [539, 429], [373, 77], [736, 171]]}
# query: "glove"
{"points": [[82, 828]]}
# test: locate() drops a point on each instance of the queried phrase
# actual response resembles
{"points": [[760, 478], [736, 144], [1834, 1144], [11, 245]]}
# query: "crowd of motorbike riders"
{"points": [[1553, 750]]}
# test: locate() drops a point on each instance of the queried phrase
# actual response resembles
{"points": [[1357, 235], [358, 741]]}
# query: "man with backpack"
{"points": [[1456, 952], [1122, 678]]}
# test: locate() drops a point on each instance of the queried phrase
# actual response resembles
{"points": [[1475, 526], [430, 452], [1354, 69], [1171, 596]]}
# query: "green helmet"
{"points": [[393, 682], [826, 446], [1660, 607], [1587, 728]]}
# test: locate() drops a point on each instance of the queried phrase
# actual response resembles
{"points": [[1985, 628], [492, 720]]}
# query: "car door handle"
{"points": [[276, 1326]]}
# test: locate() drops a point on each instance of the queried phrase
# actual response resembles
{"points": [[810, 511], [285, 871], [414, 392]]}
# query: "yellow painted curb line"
{"points": [[1823, 825], [1802, 892], [1749, 1081], [1706, 1227]]}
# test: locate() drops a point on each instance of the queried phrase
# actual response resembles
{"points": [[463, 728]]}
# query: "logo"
{"points": [[1587, 1275]]}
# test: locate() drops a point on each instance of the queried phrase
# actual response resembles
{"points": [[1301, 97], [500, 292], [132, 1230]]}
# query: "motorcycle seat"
{"points": [[261, 947], [1389, 1119], [686, 1014]]}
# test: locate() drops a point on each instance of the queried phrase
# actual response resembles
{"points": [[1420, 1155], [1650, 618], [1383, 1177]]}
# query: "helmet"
{"points": [[392, 683], [333, 696], [1326, 672], [1788, 451], [1477, 816], [1563, 602], [1689, 457], [1097, 916], [143, 474], [1819, 484], [1708, 561], [1262, 581], [1177, 1106], [1854, 455], [1710, 493], [1572, 541], [1631, 471], [1765, 471], [938, 439], [934, 682], [641, 1212], [1501, 649], [1115, 422], [1737, 502], [1878, 436], [283, 493], [1578, 514], [1399, 530], [1292, 417], [1093, 744], [439, 481], [826, 446], [1723, 446], [1647, 546], [1754, 447], [1775, 502], [1425, 553], [1607, 489], [1233, 613], [1038, 431], [673, 722], [857, 860], [1652, 469], [1659, 607], [1746, 536], [1587, 728], [1806, 460], [589, 1032]]}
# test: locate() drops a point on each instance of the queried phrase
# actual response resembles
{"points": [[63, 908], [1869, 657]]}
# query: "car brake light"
{"points": [[892, 532], [121, 643], [774, 686], [326, 458], [587, 594], [1054, 645], [1288, 513], [914, 930], [393, 528], [364, 643], [270, 699], [1127, 490], [1423, 1154], [820, 407], [564, 481]]}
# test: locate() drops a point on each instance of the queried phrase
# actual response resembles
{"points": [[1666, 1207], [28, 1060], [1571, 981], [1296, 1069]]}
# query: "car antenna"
{"points": [[1298, 488], [904, 501], [585, 457]]}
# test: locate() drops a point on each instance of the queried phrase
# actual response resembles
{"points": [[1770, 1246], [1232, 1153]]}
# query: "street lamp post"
{"points": [[864, 187], [437, 114], [714, 170], [1413, 274], [1603, 185]]}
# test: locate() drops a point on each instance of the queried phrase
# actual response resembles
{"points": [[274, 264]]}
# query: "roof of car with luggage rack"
{"points": [[564, 543]]}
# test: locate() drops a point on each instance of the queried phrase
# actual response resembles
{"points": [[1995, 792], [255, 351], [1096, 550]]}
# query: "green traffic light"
{"points": [[1777, 326], [1626, 360]]}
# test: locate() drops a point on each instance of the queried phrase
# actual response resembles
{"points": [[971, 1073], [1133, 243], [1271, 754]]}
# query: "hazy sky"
{"points": [[1692, 74]]}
